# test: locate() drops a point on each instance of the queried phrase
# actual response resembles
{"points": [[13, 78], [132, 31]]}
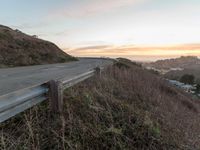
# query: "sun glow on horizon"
{"points": [[148, 53], [146, 29]]}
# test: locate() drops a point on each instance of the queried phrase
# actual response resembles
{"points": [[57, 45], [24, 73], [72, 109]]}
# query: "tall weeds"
{"points": [[125, 107]]}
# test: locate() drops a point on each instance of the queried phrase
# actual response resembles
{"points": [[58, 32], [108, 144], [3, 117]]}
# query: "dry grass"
{"points": [[125, 108], [19, 49]]}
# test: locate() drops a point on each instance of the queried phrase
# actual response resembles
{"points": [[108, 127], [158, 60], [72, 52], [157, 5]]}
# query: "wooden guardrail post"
{"points": [[98, 71], [56, 96], [18, 101]]}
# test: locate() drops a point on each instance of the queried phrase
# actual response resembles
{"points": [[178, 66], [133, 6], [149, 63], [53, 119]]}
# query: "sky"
{"points": [[136, 29]]}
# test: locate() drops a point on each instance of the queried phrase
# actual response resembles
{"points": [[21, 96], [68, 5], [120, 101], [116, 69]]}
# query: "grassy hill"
{"points": [[126, 107], [193, 70], [182, 62], [19, 49]]}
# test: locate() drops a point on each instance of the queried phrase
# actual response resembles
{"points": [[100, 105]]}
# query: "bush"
{"points": [[188, 79], [5, 36], [198, 88]]}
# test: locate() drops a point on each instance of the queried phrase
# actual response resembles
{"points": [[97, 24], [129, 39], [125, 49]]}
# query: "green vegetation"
{"points": [[5, 36], [197, 89], [123, 108], [187, 79]]}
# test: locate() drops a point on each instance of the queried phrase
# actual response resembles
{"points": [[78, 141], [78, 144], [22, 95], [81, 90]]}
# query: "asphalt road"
{"points": [[17, 78]]}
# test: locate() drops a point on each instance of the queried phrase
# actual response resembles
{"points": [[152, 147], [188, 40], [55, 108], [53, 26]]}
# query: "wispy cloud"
{"points": [[28, 25], [92, 47], [138, 51], [92, 7]]}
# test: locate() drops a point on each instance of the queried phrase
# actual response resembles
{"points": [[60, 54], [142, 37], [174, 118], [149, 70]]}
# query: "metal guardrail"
{"points": [[70, 82], [18, 101]]}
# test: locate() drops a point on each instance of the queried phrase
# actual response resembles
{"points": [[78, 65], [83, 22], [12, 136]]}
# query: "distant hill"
{"points": [[177, 74], [19, 49], [182, 62]]}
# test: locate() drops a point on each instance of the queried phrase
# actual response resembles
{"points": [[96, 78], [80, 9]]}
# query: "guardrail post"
{"points": [[98, 71], [56, 96]]}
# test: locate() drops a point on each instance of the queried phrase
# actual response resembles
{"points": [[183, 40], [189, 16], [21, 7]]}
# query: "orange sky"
{"points": [[137, 29], [140, 53]]}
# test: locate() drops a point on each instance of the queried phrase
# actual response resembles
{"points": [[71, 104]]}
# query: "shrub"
{"points": [[5, 36], [187, 79], [198, 88]]}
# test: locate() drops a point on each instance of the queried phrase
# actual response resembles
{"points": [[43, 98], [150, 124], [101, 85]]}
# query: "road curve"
{"points": [[12, 79]]}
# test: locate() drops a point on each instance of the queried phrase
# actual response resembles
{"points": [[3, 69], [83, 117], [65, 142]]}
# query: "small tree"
{"points": [[35, 36], [187, 79], [198, 88]]}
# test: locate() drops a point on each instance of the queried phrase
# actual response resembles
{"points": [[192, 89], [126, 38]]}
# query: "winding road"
{"points": [[12, 79]]}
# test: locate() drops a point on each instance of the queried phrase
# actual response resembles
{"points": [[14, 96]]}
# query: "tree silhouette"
{"points": [[187, 79]]}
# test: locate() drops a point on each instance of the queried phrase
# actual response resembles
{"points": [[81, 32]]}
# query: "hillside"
{"points": [[19, 49], [126, 107], [182, 62], [177, 74]]}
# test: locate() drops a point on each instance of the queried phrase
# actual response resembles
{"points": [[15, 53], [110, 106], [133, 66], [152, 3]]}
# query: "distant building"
{"points": [[176, 69]]}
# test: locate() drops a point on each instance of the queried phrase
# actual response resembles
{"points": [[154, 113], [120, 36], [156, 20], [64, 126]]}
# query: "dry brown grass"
{"points": [[125, 108], [19, 49]]}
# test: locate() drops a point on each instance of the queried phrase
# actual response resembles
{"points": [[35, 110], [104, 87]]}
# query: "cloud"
{"points": [[92, 7], [30, 25], [138, 51], [93, 47]]}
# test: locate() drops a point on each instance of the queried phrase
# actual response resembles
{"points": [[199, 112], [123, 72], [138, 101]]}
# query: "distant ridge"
{"points": [[20, 49], [182, 62]]}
